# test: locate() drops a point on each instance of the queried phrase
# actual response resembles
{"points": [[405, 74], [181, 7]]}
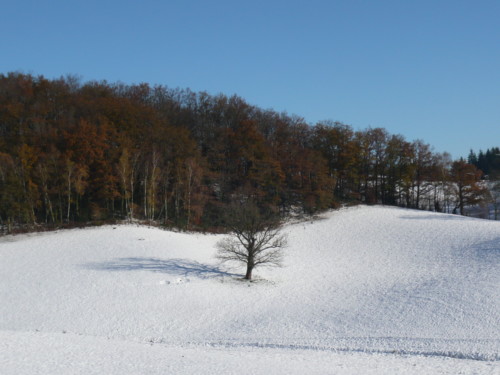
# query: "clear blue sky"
{"points": [[425, 69]]}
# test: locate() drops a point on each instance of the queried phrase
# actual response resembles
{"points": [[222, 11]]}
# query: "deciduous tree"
{"points": [[255, 238], [467, 186]]}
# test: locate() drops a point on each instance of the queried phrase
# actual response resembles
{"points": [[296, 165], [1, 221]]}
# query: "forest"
{"points": [[488, 161], [74, 153]]}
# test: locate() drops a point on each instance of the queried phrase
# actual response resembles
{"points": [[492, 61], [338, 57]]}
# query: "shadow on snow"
{"points": [[437, 216], [177, 267]]}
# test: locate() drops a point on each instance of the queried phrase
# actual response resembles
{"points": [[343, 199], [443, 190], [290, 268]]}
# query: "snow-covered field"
{"points": [[366, 290]]}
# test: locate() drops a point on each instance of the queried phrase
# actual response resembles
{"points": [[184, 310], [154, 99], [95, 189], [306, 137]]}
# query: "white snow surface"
{"points": [[364, 290]]}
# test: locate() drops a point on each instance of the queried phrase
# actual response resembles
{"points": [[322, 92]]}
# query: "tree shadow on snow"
{"points": [[436, 217], [488, 251], [175, 267]]}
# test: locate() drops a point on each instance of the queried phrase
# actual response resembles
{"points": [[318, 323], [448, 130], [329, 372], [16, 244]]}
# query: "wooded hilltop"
{"points": [[73, 152]]}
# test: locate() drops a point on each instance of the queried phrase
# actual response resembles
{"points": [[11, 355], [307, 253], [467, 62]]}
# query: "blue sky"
{"points": [[425, 69]]}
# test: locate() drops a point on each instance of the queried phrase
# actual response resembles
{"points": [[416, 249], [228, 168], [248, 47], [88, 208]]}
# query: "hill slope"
{"points": [[363, 280]]}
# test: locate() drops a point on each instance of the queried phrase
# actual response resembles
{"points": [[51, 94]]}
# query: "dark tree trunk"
{"points": [[248, 275], [461, 200]]}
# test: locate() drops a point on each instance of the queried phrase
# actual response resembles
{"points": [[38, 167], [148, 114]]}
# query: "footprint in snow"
{"points": [[180, 280]]}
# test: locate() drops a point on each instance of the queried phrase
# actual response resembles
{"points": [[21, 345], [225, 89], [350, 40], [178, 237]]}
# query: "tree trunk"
{"points": [[248, 275], [69, 197], [461, 200]]}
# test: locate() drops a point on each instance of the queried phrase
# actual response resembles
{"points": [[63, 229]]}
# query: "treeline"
{"points": [[488, 162], [79, 152]]}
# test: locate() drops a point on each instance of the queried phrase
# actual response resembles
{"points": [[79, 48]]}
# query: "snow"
{"points": [[372, 290]]}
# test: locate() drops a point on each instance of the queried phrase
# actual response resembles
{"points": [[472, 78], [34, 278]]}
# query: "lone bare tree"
{"points": [[255, 238]]}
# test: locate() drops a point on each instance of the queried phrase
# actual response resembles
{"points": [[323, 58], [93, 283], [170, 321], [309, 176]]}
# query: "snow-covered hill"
{"points": [[364, 290]]}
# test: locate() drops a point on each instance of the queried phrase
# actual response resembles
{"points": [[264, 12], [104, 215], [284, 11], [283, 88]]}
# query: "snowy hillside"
{"points": [[364, 290]]}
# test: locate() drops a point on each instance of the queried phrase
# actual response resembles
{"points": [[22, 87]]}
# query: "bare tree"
{"points": [[255, 238], [494, 192], [468, 189]]}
